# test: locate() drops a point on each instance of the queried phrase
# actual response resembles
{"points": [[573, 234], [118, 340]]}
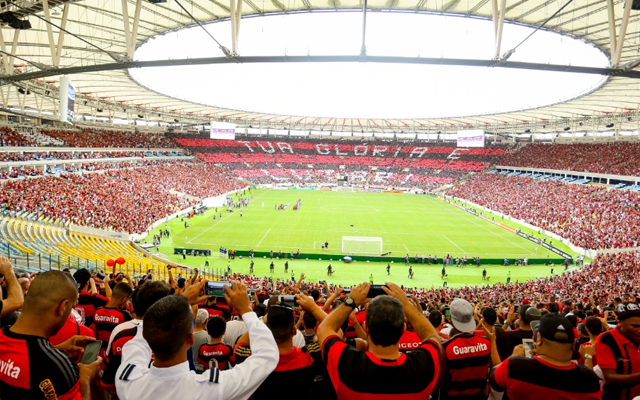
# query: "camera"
{"points": [[216, 288], [289, 301], [375, 290]]}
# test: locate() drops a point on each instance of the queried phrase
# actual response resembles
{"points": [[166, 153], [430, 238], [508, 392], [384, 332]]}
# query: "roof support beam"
{"points": [[8, 60], [498, 23], [131, 32], [617, 42], [56, 48], [236, 16], [363, 48]]}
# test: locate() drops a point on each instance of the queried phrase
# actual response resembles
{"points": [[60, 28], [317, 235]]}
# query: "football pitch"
{"points": [[406, 224]]}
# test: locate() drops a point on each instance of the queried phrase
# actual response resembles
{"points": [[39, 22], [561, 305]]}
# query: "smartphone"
{"points": [[375, 290], [216, 288], [447, 313], [346, 290], [290, 301], [528, 347], [91, 352]]}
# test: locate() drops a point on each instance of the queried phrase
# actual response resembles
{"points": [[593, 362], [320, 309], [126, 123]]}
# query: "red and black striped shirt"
{"points": [[104, 322], [88, 303], [301, 371], [114, 358], [361, 375], [30, 368], [467, 359], [219, 352], [524, 378]]}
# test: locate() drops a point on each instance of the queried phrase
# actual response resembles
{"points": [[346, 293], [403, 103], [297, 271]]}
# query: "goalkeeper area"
{"points": [[348, 223], [362, 245]]}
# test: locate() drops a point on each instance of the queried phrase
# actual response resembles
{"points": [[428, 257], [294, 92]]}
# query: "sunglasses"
{"points": [[282, 307]]}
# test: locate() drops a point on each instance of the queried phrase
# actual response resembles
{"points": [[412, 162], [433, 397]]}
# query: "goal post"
{"points": [[361, 245]]}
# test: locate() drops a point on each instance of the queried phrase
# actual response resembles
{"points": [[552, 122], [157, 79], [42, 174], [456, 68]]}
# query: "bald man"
{"points": [[24, 285], [30, 367]]}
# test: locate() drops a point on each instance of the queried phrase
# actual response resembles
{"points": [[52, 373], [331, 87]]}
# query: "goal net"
{"points": [[361, 245]]}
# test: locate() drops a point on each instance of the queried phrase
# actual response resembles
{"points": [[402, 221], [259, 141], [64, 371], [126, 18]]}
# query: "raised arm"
{"points": [[107, 288], [244, 379], [420, 323], [308, 305], [491, 335], [334, 321], [172, 281], [15, 298], [332, 298]]}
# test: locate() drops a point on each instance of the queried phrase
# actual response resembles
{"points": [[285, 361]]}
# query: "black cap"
{"points": [[554, 327], [532, 314]]}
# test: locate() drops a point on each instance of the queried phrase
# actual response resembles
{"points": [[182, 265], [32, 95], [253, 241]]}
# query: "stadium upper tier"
{"points": [[85, 137], [401, 163], [592, 217], [601, 158]]}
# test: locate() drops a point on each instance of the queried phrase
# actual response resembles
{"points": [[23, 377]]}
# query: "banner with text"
{"points": [[473, 138], [223, 130]]}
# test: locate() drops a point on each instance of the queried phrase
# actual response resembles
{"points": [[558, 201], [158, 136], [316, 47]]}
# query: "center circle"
{"points": [[369, 89], [350, 209]]}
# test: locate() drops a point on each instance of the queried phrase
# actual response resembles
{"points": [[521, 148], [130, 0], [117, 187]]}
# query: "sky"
{"points": [[369, 90]]}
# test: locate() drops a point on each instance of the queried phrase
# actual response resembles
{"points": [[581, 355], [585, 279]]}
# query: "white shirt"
{"points": [[178, 382], [235, 329]]}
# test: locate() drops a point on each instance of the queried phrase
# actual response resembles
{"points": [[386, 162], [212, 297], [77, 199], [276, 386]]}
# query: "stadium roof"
{"points": [[101, 37]]}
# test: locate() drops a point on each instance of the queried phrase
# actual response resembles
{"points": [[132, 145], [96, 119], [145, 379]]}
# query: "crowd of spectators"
{"points": [[589, 216], [125, 200], [84, 155], [83, 166], [92, 137], [401, 163], [11, 138], [602, 158], [332, 343]]}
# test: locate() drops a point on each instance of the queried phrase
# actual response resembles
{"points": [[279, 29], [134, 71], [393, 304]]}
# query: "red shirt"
{"points": [[361, 375], [467, 360], [30, 368], [626, 361], [104, 322], [219, 352], [88, 303], [69, 329], [533, 379], [409, 341]]}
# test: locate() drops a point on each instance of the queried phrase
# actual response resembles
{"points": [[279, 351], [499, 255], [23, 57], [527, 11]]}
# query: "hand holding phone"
{"points": [[91, 352]]}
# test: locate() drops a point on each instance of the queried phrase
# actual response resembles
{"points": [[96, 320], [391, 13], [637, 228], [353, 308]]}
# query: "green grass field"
{"points": [[413, 224]]}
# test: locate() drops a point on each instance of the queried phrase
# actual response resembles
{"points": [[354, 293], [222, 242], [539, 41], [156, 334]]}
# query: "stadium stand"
{"points": [[22, 156], [126, 200], [91, 137], [602, 158], [11, 138], [592, 217], [52, 246], [402, 164]]}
